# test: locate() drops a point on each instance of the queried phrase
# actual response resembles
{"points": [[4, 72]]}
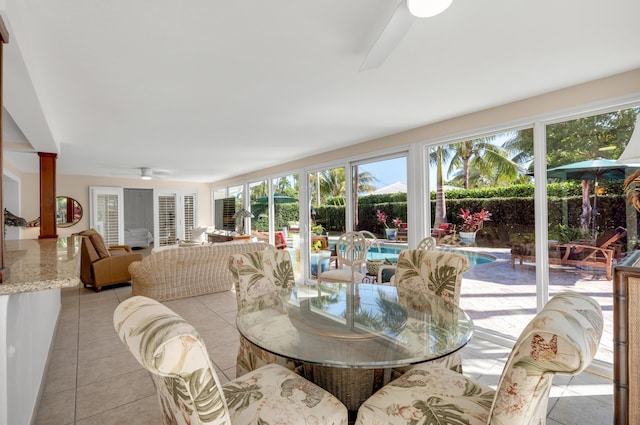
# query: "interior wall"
{"points": [[77, 187], [138, 209], [11, 202]]}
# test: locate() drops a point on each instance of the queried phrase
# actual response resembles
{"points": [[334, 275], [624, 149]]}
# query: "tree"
{"points": [[604, 135], [438, 156], [489, 162], [519, 147], [596, 136]]}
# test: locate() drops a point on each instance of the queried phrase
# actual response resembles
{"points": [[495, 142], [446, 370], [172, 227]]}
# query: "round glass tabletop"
{"points": [[355, 325]]}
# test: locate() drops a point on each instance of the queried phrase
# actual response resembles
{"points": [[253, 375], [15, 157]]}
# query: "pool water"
{"points": [[392, 252]]}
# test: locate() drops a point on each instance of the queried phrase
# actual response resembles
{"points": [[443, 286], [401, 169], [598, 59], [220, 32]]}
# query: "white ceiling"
{"points": [[206, 90]]}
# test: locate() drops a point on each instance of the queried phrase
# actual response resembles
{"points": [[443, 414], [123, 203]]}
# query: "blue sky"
{"points": [[387, 172]]}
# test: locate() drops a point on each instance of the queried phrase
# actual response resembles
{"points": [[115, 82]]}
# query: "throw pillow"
{"points": [[198, 234]]}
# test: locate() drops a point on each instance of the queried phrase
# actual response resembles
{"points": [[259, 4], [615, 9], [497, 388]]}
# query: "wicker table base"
{"points": [[351, 386]]}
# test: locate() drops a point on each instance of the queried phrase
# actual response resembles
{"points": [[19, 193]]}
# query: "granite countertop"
{"points": [[41, 264]]}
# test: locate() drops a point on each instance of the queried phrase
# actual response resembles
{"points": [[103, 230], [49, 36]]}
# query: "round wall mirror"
{"points": [[68, 211]]}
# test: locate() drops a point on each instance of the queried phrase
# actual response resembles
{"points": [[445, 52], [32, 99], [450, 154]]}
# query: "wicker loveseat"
{"points": [[187, 271]]}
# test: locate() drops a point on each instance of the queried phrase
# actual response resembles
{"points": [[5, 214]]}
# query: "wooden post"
{"points": [[48, 227], [4, 38]]}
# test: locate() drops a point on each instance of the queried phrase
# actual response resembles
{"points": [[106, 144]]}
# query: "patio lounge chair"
{"points": [[444, 230], [612, 239], [402, 234], [581, 253]]}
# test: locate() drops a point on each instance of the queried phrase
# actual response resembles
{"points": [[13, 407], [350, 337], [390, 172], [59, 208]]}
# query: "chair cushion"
{"points": [[275, 395], [97, 242], [341, 275], [431, 395]]}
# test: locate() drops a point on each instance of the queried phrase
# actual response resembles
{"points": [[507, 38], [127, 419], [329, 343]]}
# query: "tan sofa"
{"points": [[182, 272]]}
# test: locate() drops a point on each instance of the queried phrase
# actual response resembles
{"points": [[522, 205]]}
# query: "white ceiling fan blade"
{"points": [[393, 32]]}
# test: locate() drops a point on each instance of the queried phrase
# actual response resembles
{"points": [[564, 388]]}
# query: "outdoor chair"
{"points": [[445, 229], [188, 387], [403, 232], [427, 243], [612, 239], [256, 274], [350, 256], [562, 339], [599, 254]]}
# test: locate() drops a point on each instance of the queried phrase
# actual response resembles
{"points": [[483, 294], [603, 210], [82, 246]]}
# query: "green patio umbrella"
{"points": [[592, 169]]}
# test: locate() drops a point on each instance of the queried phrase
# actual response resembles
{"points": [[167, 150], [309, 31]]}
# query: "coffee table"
{"points": [[349, 336]]}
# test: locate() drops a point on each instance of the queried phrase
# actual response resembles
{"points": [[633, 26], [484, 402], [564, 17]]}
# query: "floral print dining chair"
{"points": [[425, 273], [387, 271], [562, 339], [256, 274], [188, 387]]}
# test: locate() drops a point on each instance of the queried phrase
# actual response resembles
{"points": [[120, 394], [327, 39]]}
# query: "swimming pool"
{"points": [[392, 252]]}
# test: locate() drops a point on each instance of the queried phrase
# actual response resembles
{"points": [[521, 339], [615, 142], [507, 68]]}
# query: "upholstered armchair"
{"points": [[561, 339], [429, 243], [256, 274], [101, 265], [188, 387]]}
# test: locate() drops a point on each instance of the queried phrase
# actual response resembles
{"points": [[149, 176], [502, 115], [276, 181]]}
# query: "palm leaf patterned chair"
{"points": [[429, 243], [350, 257], [561, 339], [256, 274], [425, 273], [188, 387]]}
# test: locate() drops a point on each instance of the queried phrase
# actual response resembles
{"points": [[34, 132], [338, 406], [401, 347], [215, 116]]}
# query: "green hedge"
{"points": [[512, 209]]}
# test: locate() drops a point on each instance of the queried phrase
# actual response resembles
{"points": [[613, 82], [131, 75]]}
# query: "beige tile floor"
{"points": [[92, 379]]}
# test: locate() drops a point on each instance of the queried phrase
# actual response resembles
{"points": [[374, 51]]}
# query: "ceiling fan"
{"points": [[147, 173], [398, 25]]}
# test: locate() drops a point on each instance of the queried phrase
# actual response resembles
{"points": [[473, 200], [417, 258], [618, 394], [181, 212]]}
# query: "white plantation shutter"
{"points": [[166, 219], [189, 214], [107, 214]]}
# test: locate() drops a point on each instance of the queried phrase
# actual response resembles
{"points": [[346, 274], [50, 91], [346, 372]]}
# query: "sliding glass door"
{"points": [[591, 224]]}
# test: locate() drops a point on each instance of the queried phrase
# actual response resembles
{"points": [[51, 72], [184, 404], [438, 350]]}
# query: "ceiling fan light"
{"points": [[145, 173], [427, 8]]}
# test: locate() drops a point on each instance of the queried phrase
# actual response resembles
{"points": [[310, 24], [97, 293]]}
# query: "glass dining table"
{"points": [[348, 337]]}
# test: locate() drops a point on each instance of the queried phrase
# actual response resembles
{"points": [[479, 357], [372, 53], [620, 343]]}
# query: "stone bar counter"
{"points": [[41, 264], [30, 307]]}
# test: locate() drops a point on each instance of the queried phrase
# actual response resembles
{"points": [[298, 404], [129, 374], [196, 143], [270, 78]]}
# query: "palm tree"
{"points": [[520, 148], [490, 163], [332, 183], [438, 156]]}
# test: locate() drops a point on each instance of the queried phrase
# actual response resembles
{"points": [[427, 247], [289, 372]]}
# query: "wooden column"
{"points": [[4, 38], [48, 227]]}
